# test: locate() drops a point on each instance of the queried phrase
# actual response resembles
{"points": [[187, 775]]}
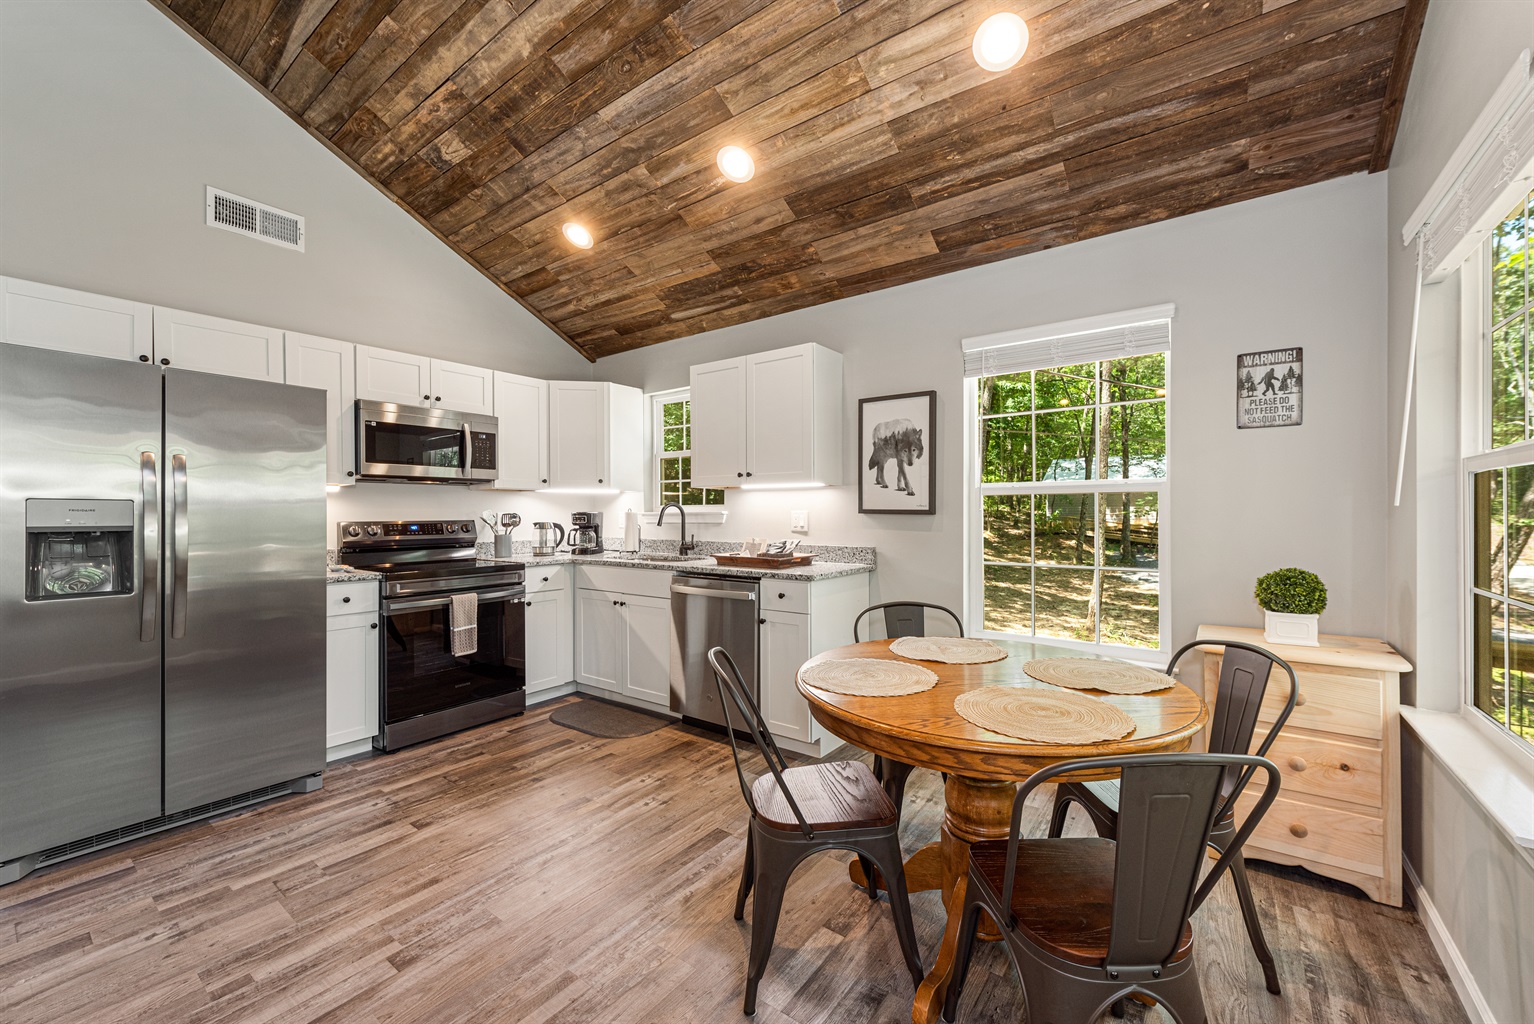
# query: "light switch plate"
{"points": [[799, 521]]}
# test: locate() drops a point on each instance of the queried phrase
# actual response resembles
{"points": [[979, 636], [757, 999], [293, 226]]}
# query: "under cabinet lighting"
{"points": [[799, 485], [332, 488], [579, 490], [578, 235], [1000, 41], [736, 164]]}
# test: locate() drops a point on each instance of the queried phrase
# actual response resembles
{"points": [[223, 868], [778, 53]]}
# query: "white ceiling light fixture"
{"points": [[1000, 41], [578, 235], [736, 164]]}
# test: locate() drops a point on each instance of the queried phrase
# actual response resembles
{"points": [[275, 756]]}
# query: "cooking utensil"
{"points": [[511, 520], [488, 518]]}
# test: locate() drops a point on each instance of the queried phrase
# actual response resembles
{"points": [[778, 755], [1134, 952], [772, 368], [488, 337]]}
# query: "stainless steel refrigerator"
{"points": [[162, 598]]}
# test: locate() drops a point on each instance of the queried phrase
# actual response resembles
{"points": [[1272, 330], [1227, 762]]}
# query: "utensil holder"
{"points": [[503, 545]]}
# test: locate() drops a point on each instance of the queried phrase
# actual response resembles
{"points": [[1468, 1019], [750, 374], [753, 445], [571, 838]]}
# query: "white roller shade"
{"points": [[1133, 332]]}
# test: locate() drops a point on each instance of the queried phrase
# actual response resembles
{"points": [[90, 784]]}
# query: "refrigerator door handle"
{"points": [[179, 547], [149, 536]]}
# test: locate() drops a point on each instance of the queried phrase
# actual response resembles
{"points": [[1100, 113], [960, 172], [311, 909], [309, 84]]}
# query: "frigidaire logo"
{"points": [[82, 510]]}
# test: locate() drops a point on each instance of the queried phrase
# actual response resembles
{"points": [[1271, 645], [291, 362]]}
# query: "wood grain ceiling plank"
{"points": [[284, 34], [614, 313], [703, 20], [199, 14], [630, 187], [1065, 26], [643, 251], [609, 30], [865, 25], [1240, 44], [344, 29], [236, 26], [947, 32], [380, 56], [1400, 76], [1330, 54], [1353, 126], [461, 36], [304, 79]]}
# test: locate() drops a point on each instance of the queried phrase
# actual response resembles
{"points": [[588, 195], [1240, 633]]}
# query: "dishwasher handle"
{"points": [[728, 595]]}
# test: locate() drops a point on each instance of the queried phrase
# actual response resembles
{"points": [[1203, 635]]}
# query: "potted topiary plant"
{"points": [[1292, 601]]}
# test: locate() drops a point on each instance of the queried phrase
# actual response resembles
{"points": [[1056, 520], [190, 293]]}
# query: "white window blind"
{"points": [[1132, 332], [1486, 176]]}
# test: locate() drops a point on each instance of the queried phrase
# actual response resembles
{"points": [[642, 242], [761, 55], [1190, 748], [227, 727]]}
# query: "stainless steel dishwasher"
{"points": [[709, 612]]}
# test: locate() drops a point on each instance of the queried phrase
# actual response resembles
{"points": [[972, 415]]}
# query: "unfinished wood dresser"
{"points": [[1339, 810]]}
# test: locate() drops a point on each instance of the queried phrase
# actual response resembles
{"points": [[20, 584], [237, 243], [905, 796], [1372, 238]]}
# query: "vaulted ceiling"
{"points": [[884, 153]]}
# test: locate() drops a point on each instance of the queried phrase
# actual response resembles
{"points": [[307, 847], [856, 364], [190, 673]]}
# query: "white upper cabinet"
{"points": [[211, 344], [769, 418], [595, 436], [398, 377], [314, 362], [522, 413], [65, 320], [462, 388], [718, 397]]}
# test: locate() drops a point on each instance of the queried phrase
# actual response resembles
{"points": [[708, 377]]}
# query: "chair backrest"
{"points": [[902, 618], [1168, 805], [733, 692], [1245, 670]]}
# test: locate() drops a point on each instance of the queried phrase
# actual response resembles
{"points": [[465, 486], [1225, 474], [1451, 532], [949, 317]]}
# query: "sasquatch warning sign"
{"points": [[1269, 388]]}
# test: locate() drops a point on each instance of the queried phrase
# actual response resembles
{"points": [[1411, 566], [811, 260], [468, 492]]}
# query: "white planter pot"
{"points": [[1298, 630]]}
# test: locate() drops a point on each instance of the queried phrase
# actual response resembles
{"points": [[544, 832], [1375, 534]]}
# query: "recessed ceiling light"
{"points": [[1000, 41], [578, 235], [736, 164]]}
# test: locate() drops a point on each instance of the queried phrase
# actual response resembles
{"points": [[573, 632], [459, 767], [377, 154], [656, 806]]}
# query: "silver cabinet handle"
{"points": [[728, 595], [179, 553], [149, 537], [390, 607]]}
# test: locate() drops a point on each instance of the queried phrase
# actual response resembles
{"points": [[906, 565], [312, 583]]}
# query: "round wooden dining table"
{"points": [[982, 767]]}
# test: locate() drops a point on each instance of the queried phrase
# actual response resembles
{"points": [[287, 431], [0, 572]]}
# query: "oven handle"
{"points": [[390, 607]]}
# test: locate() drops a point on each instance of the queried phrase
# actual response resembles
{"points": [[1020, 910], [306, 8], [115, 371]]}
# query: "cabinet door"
{"points": [[211, 344], [65, 320], [351, 678], [399, 377], [462, 388], [577, 433], [780, 416], [784, 639], [522, 411], [648, 625], [600, 639], [331, 365], [718, 397], [545, 667]]}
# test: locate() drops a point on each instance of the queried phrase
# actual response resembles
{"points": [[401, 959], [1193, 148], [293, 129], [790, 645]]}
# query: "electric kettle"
{"points": [[545, 539]]}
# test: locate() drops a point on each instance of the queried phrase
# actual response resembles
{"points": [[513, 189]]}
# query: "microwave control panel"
{"points": [[482, 455]]}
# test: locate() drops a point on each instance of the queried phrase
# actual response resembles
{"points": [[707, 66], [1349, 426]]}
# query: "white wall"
{"points": [[112, 122], [1301, 268], [1480, 884]]}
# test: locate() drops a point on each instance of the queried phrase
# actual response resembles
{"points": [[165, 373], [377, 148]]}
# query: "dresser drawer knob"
{"points": [[1298, 830], [1297, 763]]}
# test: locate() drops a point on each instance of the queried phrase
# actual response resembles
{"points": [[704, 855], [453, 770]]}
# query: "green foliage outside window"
{"points": [[676, 458]]}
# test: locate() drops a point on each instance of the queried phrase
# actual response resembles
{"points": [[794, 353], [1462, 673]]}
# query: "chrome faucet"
{"points": [[686, 546]]}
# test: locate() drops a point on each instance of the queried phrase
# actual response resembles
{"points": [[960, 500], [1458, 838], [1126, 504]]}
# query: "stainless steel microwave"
{"points": [[409, 442]]}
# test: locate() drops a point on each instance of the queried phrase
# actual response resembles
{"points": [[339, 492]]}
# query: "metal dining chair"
{"points": [[901, 618], [1088, 922], [1244, 673], [796, 812]]}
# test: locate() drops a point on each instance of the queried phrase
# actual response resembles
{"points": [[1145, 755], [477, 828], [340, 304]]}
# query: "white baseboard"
{"points": [[1459, 972]]}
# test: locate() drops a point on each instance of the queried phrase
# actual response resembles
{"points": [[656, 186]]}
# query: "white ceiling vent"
{"points": [[236, 213]]}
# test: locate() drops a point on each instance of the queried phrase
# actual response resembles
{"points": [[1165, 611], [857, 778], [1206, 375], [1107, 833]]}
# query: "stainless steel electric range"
{"points": [[427, 691]]}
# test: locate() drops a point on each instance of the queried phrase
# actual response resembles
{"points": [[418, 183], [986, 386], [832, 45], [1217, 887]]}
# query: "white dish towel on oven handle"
{"points": [[463, 624]]}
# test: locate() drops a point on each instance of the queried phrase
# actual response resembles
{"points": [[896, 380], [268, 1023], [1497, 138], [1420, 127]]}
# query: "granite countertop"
{"points": [[346, 574], [817, 570]]}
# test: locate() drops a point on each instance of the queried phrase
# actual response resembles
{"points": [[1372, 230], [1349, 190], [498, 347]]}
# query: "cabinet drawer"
{"points": [[1297, 831], [546, 577], [1332, 700], [1338, 771], [786, 596], [622, 580], [348, 598]]}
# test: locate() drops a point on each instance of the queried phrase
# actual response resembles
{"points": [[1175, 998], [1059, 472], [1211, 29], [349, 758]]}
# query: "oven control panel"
{"points": [[399, 533]]}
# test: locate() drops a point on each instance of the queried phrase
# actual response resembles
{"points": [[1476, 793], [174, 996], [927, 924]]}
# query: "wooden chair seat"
{"points": [[1063, 898], [838, 795]]}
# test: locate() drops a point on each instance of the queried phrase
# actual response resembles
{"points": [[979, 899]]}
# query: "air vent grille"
{"points": [[257, 220]]}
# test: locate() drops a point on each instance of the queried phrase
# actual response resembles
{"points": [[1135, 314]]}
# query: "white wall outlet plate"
{"points": [[799, 521]]}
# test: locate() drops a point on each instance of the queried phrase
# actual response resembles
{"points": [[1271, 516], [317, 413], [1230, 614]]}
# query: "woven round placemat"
{"points": [[870, 677], [1043, 716], [951, 650], [1097, 674]]}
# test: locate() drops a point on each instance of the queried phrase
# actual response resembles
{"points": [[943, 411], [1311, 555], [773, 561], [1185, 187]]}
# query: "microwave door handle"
{"points": [[178, 546], [149, 538], [467, 461]]}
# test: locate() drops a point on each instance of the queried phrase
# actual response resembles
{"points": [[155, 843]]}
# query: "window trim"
{"points": [[703, 515], [974, 536]]}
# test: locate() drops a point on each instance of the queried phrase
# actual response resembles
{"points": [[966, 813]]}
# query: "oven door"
{"points": [[422, 677], [404, 442]]}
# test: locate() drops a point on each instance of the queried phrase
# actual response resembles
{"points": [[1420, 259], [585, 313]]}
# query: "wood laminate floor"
{"points": [[523, 872]]}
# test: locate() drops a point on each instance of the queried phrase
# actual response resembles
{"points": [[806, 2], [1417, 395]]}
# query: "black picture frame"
{"points": [[920, 454]]}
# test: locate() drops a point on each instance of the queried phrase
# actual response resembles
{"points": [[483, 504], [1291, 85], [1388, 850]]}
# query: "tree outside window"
{"points": [[673, 432]]}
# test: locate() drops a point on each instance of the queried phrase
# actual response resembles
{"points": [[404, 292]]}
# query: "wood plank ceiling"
{"points": [[884, 153]]}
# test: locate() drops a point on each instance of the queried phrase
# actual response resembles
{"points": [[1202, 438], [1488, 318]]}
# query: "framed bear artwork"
{"points": [[896, 452]]}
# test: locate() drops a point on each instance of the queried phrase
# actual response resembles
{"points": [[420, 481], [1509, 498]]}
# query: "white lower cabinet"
{"points": [[623, 633], [601, 640], [550, 630], [783, 644], [351, 667], [647, 623]]}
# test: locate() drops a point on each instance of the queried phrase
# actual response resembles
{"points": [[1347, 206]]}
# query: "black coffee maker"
{"points": [[586, 533]]}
